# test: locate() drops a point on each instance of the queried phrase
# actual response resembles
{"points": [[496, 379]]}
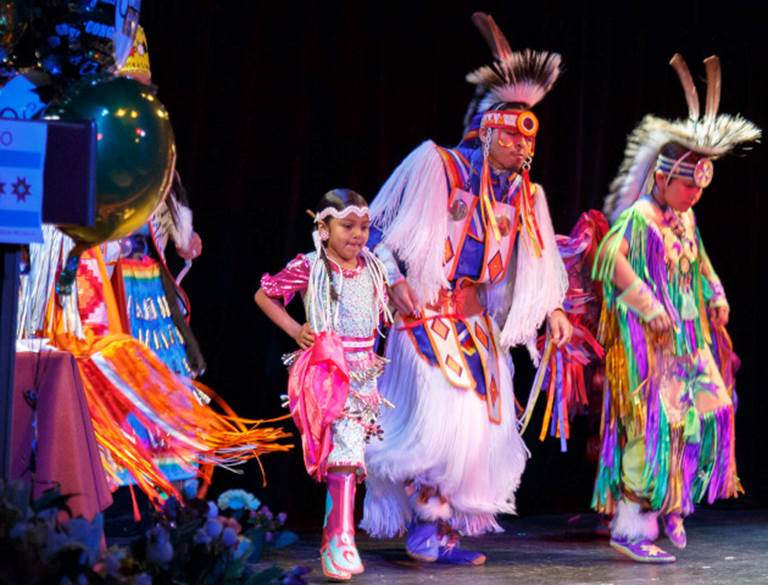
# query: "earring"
{"points": [[527, 163], [324, 235]]}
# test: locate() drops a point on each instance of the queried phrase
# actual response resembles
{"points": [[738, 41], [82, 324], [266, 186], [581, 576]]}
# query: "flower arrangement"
{"points": [[196, 542], [37, 546]]}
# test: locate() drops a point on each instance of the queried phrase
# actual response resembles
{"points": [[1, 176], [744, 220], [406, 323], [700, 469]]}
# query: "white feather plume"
{"points": [[522, 77], [410, 211], [710, 137], [515, 76]]}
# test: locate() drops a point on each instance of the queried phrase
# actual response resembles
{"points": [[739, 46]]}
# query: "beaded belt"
{"points": [[358, 343]]}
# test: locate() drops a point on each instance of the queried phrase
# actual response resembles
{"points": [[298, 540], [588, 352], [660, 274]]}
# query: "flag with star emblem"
{"points": [[22, 160]]}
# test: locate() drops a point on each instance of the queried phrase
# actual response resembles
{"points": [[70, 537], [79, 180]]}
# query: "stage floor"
{"points": [[724, 548]]}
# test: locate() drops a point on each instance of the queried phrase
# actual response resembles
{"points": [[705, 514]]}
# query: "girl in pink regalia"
{"points": [[332, 388]]}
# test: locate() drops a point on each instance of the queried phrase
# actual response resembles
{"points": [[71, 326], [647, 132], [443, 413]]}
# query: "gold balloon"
{"points": [[135, 155]]}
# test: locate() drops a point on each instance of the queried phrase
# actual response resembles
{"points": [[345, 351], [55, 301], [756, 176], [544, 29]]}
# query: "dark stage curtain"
{"points": [[274, 103]]}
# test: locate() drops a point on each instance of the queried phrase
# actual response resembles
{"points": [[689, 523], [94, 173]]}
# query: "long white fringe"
{"points": [[182, 230], [322, 312], [537, 287], [435, 508], [37, 287], [411, 211], [440, 436]]}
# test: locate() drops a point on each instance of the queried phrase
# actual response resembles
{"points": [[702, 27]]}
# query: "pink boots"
{"points": [[338, 554]]}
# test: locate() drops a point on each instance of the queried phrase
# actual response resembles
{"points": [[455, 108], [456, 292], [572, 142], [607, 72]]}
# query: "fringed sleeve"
{"points": [[410, 211], [540, 283], [290, 280], [618, 325], [646, 257]]}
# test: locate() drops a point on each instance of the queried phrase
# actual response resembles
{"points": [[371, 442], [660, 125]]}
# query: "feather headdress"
{"points": [[710, 135], [514, 77]]}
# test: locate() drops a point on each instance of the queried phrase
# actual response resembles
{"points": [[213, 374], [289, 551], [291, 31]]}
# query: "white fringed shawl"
{"points": [[533, 289], [411, 211]]}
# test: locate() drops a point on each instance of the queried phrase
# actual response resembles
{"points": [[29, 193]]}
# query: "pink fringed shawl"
{"points": [[318, 385]]}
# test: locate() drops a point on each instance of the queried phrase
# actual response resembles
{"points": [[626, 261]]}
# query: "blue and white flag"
{"points": [[22, 161]]}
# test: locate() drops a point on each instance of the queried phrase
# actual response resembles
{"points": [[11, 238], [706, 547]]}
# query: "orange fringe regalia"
{"points": [[143, 413]]}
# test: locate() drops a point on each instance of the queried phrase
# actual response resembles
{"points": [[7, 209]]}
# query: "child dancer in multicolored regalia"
{"points": [[668, 411], [332, 388]]}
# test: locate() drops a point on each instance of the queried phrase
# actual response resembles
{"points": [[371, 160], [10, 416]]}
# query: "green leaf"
{"points": [[265, 577], [52, 498]]}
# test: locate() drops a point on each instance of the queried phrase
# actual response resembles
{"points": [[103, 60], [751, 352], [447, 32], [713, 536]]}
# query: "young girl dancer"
{"points": [[332, 388]]}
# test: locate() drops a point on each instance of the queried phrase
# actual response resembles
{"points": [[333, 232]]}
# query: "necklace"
{"points": [[679, 241], [681, 252]]}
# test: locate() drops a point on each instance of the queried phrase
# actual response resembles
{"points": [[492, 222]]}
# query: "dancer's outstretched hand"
{"points": [[404, 299], [560, 327], [305, 338], [661, 323], [193, 250]]}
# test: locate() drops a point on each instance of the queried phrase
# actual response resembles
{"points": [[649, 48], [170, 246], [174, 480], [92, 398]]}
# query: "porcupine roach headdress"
{"points": [[515, 78], [709, 136]]}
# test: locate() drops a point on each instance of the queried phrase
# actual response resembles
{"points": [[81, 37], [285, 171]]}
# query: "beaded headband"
{"points": [[336, 214], [701, 172], [522, 121]]}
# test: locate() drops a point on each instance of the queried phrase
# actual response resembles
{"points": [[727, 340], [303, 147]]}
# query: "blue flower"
{"points": [[202, 537], [159, 548], [190, 489], [243, 547], [212, 528], [142, 579], [19, 529], [295, 576], [229, 537], [77, 532], [113, 560]]}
